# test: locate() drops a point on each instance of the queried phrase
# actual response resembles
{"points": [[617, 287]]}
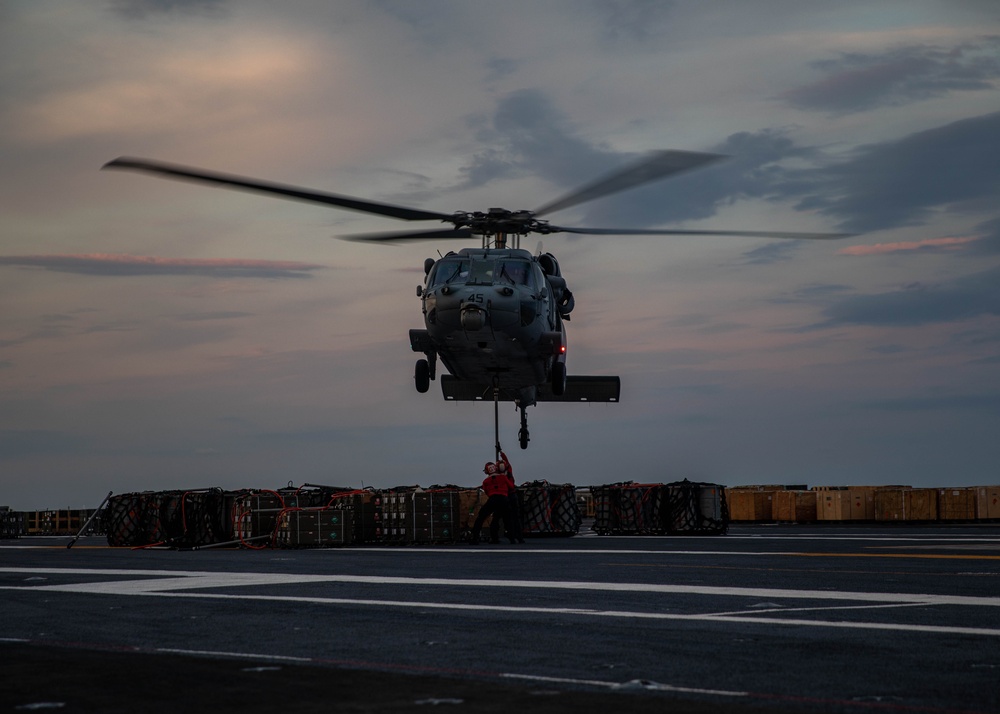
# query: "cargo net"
{"points": [[263, 518], [549, 509], [171, 518], [198, 518], [678, 508]]}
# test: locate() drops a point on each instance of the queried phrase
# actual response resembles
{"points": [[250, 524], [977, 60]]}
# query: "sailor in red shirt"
{"points": [[496, 487]]}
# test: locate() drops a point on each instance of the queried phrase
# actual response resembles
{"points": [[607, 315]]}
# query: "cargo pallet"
{"points": [[864, 504], [677, 508]]}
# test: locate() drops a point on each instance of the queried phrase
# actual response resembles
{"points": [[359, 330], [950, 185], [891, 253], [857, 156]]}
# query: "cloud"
{"points": [[770, 253], [890, 184], [819, 290], [141, 9], [857, 82], [632, 21], [500, 67], [207, 84], [530, 136], [121, 265], [902, 182], [964, 298], [208, 316], [21, 443], [989, 241], [989, 402], [928, 245]]}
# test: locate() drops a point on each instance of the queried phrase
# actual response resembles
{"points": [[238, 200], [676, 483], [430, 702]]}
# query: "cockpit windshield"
{"points": [[481, 272], [449, 271], [517, 272]]}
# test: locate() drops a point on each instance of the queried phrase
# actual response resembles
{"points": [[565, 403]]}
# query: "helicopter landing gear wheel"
{"points": [[422, 375], [558, 378], [522, 435]]}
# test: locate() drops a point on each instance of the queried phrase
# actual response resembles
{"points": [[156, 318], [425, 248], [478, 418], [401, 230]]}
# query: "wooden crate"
{"points": [[748, 505], [906, 504], [470, 500], [797, 506], [988, 502], [833, 505], [956, 504], [862, 503]]}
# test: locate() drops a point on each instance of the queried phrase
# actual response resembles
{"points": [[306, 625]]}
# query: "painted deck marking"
{"points": [[181, 583]]}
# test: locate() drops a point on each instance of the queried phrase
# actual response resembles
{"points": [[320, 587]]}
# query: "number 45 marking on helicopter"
{"points": [[494, 315]]}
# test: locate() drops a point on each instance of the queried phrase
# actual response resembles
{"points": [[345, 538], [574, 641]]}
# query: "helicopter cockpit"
{"points": [[490, 271], [515, 272], [449, 272]]}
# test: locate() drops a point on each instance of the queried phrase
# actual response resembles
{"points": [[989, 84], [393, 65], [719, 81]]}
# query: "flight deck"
{"points": [[765, 618]]}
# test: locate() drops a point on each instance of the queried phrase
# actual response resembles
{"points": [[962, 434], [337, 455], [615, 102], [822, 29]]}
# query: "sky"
{"points": [[160, 335]]}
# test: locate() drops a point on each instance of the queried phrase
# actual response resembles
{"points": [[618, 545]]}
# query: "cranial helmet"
{"points": [[490, 468]]}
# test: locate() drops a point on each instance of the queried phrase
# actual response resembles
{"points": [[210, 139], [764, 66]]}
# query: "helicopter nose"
{"points": [[473, 318]]}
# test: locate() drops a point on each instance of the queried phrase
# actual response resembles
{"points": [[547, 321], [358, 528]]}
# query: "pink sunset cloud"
{"points": [[901, 246], [123, 264]]}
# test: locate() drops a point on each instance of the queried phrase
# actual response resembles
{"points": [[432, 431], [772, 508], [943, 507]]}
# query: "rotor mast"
{"points": [[499, 240]]}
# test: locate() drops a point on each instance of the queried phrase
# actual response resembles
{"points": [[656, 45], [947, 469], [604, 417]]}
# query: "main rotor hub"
{"points": [[500, 221]]}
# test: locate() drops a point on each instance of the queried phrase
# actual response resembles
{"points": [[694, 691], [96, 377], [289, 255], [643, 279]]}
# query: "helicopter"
{"points": [[495, 316]]}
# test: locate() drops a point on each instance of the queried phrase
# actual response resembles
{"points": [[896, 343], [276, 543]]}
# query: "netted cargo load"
{"points": [[133, 519], [256, 514], [311, 495], [549, 509], [181, 519], [688, 507], [255, 517], [367, 516], [678, 508], [626, 508]]}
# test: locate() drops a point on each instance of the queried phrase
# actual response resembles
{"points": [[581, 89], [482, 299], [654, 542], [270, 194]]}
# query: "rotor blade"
{"points": [[403, 236], [686, 232], [656, 166], [186, 173]]}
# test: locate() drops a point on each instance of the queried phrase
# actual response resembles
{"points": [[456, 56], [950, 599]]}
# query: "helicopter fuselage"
{"points": [[494, 317]]}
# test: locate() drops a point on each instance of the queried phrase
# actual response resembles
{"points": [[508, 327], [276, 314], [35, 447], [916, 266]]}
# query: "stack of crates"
{"points": [[417, 516], [11, 523], [367, 515], [314, 527], [255, 515], [752, 503], [845, 503], [435, 516], [396, 513], [40, 523], [797, 506]]}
